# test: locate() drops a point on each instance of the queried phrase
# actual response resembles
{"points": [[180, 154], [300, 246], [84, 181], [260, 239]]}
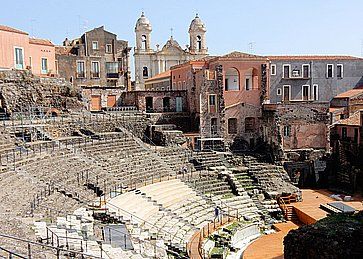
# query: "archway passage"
{"points": [[231, 81]]}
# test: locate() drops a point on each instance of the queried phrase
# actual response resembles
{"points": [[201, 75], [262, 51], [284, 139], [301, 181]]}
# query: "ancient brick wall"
{"points": [[296, 126]]}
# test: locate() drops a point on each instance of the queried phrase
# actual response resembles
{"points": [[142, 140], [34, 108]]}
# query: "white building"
{"points": [[150, 62]]}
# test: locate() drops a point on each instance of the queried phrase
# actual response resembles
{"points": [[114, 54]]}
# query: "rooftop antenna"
{"points": [[251, 46], [171, 32]]}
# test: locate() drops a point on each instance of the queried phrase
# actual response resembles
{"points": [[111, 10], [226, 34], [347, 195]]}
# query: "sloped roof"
{"points": [[40, 42], [171, 43], [353, 120], [163, 75], [237, 54], [350, 93], [10, 29], [313, 57]]}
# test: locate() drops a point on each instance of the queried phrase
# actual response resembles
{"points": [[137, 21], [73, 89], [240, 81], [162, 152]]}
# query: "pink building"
{"points": [[18, 51]]}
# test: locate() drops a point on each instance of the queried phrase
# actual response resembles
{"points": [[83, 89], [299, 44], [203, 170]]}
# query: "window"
{"points": [[231, 81], [184, 85], [212, 99], [95, 69], [212, 103], [305, 92], [286, 71], [145, 72], [108, 48], [249, 124], [144, 42], [286, 93], [356, 135], [30, 62], [306, 71], [44, 66], [273, 69], [340, 71], [199, 42], [19, 58], [329, 71], [232, 126], [315, 92], [214, 126], [248, 83], [287, 131], [95, 45], [80, 69], [344, 133], [279, 92]]}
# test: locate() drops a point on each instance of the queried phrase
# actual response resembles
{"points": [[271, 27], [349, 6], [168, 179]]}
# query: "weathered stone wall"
{"points": [[307, 123], [138, 99], [212, 87], [21, 90]]}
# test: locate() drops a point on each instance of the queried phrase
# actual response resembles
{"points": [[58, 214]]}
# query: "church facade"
{"points": [[150, 62]]}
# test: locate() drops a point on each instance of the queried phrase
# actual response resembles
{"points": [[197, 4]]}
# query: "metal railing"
{"points": [[32, 245]]}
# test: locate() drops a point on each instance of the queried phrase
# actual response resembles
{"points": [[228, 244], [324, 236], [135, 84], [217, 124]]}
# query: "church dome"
{"points": [[197, 24], [143, 22]]}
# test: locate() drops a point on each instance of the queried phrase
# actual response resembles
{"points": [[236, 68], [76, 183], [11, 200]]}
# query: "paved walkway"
{"points": [[271, 246]]}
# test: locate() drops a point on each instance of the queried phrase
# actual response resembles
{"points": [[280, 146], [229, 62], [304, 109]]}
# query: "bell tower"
{"points": [[143, 34], [197, 31]]}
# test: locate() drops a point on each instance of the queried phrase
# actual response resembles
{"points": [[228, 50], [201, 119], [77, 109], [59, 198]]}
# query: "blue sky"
{"points": [[274, 26]]}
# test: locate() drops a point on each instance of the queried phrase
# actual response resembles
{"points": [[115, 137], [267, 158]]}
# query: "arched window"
{"points": [[231, 81], [199, 42], [145, 72], [143, 42]]}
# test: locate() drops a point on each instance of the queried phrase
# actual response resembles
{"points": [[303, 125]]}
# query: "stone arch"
{"points": [[199, 42], [231, 79], [53, 112], [144, 42]]}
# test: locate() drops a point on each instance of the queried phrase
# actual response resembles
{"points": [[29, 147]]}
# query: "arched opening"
{"points": [[143, 42], [231, 80], [199, 42], [145, 72]]}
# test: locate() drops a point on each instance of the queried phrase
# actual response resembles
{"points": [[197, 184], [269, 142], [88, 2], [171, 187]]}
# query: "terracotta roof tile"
{"points": [[9, 29], [40, 42], [314, 57], [163, 75], [350, 93], [237, 54]]}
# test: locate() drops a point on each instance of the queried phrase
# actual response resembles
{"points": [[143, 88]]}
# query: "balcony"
{"points": [[112, 70], [95, 74], [112, 75], [81, 75], [298, 74]]}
